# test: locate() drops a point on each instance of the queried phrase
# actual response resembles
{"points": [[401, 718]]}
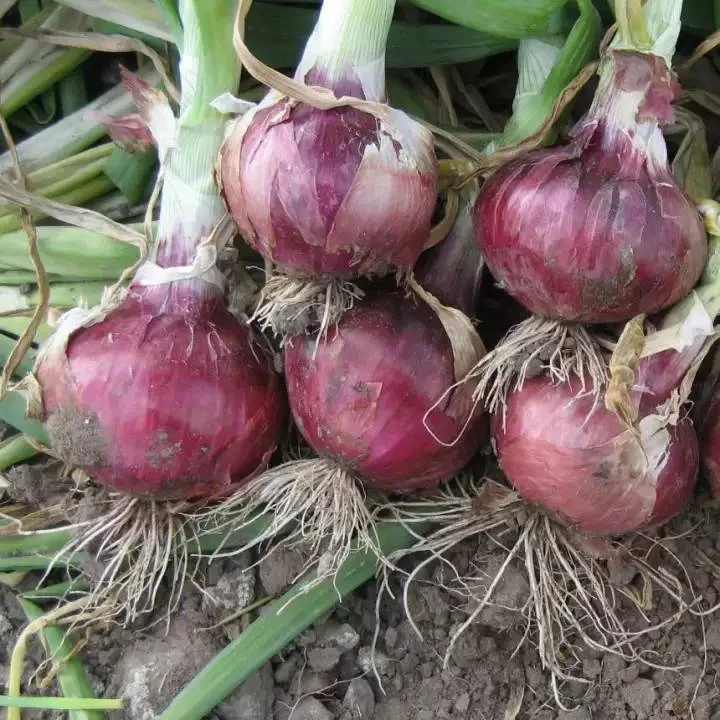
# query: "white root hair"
{"points": [[572, 600], [313, 505], [132, 550], [562, 350], [291, 305]]}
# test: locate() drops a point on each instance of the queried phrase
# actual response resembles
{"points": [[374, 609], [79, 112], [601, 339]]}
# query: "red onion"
{"points": [[572, 457], [361, 396], [598, 231], [370, 398], [332, 193], [169, 396], [161, 392]]}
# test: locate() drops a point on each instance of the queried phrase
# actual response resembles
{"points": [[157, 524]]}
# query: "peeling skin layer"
{"points": [[597, 231], [361, 400], [330, 192], [573, 458], [184, 404]]}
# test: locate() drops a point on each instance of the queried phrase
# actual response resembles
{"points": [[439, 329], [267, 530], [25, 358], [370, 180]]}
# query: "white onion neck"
{"points": [[349, 39]]}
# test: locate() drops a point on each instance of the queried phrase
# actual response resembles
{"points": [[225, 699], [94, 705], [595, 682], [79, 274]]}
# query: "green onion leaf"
{"points": [[73, 679], [284, 622]]}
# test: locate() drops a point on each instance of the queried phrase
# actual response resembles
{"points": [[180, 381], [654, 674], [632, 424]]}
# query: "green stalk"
{"points": [[17, 325], [9, 46], [62, 295], [6, 347], [631, 24], [62, 704], [208, 68], [46, 542], [53, 172], [71, 675], [15, 450], [95, 188], [131, 173], [172, 18], [351, 34], [541, 85], [56, 591], [75, 132], [33, 562], [506, 18], [140, 15], [34, 80], [652, 28], [18, 277], [73, 182], [65, 250], [284, 621], [13, 412]]}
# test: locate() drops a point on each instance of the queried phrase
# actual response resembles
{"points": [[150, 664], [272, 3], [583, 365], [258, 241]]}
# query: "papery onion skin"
{"points": [[168, 397], [362, 399], [331, 192], [577, 461], [597, 231]]}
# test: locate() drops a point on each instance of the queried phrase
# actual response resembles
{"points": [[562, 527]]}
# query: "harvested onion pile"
{"points": [[572, 435]]}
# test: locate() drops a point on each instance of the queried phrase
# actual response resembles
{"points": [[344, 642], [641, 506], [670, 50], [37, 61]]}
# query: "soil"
{"points": [[327, 673]]}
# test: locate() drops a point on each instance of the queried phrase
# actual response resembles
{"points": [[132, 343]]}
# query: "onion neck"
{"points": [[348, 43], [190, 203], [633, 99]]}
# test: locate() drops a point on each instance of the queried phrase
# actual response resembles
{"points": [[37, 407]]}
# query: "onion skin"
{"points": [[362, 399], [581, 465], [452, 270], [597, 231], [331, 192], [162, 400]]}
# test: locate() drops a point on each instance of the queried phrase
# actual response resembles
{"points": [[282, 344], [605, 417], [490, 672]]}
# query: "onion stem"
{"points": [[74, 682], [349, 35], [632, 27], [191, 204], [36, 78]]}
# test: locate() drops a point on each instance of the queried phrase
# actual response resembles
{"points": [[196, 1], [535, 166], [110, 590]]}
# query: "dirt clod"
{"points": [[77, 437], [311, 709], [359, 700]]}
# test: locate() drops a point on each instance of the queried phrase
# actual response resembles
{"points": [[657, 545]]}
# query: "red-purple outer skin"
{"points": [[184, 399], [710, 443], [452, 270], [576, 463], [362, 399], [301, 194], [596, 231]]}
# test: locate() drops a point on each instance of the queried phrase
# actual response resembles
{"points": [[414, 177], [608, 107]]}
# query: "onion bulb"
{"points": [[168, 396], [331, 195], [598, 231], [573, 458], [367, 395], [370, 399]]}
